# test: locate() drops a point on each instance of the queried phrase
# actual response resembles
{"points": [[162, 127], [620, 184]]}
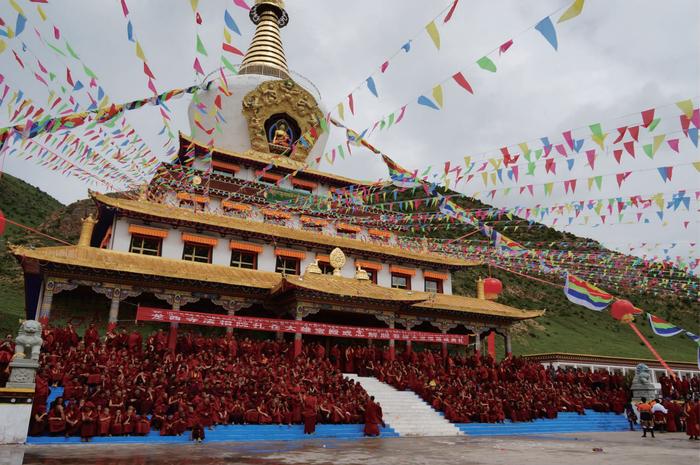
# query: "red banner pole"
{"points": [[652, 350]]}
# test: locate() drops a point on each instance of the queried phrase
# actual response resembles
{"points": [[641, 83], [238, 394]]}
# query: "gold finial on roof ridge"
{"points": [[266, 53]]}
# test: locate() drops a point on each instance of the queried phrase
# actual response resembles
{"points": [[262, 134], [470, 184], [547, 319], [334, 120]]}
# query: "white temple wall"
{"points": [[121, 236], [172, 245], [447, 284], [384, 276], [267, 260]]}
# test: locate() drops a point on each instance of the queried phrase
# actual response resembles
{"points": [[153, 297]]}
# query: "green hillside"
{"points": [[564, 328], [22, 203]]}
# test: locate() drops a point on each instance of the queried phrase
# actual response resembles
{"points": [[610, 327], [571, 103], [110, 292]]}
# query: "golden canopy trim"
{"points": [[275, 97]]}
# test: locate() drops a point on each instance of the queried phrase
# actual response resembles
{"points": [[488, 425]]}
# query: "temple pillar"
{"points": [[176, 300], [390, 320], [444, 347], [46, 302], [113, 311], [509, 346], [297, 336], [116, 294], [232, 305], [491, 343], [52, 287], [477, 343]]}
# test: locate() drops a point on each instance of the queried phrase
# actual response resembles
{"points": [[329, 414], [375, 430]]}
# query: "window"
{"points": [[326, 267], [197, 253], [287, 265], [433, 285], [372, 275], [145, 245], [400, 281], [247, 260], [221, 172], [193, 205]]}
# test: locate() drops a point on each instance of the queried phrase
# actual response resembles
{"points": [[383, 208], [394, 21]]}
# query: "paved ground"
{"points": [[575, 449]]}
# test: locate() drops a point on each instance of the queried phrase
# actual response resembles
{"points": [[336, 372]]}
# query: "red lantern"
{"points": [[492, 287], [621, 308], [2, 223]]}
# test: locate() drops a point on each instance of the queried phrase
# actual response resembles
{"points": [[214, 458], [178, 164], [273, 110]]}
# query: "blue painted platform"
{"points": [[566, 422], [237, 433]]}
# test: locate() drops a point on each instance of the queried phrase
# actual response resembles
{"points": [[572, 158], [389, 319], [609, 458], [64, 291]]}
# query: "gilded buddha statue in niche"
{"points": [[281, 136]]}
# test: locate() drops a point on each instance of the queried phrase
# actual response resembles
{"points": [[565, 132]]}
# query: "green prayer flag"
{"points": [[200, 46], [649, 150], [487, 64], [653, 124], [71, 51]]}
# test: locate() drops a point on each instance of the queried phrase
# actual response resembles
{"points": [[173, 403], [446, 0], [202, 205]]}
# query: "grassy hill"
{"points": [[564, 328]]}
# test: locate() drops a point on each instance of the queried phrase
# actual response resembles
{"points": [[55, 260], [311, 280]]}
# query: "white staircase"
{"points": [[404, 411]]}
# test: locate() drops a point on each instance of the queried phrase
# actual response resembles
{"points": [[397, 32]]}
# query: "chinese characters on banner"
{"points": [[293, 326]]}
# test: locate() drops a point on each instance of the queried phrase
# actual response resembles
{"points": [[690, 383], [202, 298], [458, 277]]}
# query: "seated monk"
{"points": [[104, 421], [88, 425], [117, 428], [39, 421], [57, 418]]}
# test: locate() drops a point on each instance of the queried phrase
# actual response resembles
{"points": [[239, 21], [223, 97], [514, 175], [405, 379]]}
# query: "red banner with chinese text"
{"points": [[293, 326]]}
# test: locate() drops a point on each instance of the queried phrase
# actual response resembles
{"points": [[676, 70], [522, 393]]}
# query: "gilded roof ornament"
{"points": [[337, 259], [266, 54]]}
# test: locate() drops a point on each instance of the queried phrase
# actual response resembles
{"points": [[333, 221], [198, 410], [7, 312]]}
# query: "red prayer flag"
{"points": [[629, 146], [351, 104], [634, 132], [231, 49], [124, 8], [462, 81], [451, 12], [384, 66], [648, 117], [505, 46]]}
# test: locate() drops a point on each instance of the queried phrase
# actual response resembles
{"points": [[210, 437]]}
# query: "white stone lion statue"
{"points": [[28, 340], [642, 375]]}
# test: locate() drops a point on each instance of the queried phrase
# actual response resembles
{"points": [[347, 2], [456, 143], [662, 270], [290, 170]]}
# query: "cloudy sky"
{"points": [[618, 58]]}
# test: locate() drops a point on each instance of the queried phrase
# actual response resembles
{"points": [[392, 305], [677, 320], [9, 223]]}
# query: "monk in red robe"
{"points": [[88, 425], [692, 422], [57, 418], [309, 412], [104, 422], [372, 418]]}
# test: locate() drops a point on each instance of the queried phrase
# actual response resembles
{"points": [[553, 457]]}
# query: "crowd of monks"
{"points": [[477, 389], [120, 385]]}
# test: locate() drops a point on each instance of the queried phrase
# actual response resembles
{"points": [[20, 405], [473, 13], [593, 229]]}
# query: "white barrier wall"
{"points": [[14, 421]]}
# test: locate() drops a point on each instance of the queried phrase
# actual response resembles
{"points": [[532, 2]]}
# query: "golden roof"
{"points": [[280, 161], [168, 213], [104, 259], [460, 303], [348, 287]]}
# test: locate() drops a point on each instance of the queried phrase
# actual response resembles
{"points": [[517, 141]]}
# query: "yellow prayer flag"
{"points": [[696, 164], [600, 140], [686, 107], [485, 177], [139, 52], [437, 94], [40, 10], [194, 4], [341, 111], [2, 45], [493, 178], [573, 11], [433, 33], [227, 36], [658, 140], [17, 8]]}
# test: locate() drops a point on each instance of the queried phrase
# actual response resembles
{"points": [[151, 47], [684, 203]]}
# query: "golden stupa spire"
{"points": [[266, 54]]}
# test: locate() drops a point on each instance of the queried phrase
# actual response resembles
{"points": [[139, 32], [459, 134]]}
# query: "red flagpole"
{"points": [[651, 349]]}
